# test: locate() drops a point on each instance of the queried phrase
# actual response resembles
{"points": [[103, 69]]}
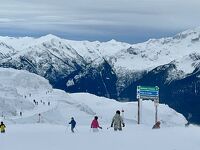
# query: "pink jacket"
{"points": [[95, 124]]}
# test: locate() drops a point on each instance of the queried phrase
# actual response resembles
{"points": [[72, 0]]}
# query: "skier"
{"points": [[73, 124], [20, 113], [117, 122], [95, 124], [157, 125], [2, 127]]}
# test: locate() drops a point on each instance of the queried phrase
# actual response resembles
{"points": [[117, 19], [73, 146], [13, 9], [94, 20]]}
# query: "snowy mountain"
{"points": [[112, 69], [20, 89]]}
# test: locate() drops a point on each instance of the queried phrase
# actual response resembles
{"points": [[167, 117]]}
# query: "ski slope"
{"points": [[52, 132], [83, 107], [56, 137]]}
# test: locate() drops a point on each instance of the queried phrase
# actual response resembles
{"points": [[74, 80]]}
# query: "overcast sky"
{"points": [[124, 20]]}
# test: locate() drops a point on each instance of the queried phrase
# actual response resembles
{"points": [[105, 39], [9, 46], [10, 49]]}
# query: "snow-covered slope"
{"points": [[54, 137], [112, 68], [19, 90], [53, 57]]}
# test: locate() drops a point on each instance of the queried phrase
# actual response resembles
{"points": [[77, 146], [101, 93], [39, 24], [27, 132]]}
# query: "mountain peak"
{"points": [[49, 37]]}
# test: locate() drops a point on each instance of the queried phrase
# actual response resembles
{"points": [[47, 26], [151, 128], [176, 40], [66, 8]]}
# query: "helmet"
{"points": [[118, 112], [96, 117]]}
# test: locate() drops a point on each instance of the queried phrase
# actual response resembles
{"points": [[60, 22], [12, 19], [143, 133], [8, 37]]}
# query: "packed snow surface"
{"points": [[56, 137]]}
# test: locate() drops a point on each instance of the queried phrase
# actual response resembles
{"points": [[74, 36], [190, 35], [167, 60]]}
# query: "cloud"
{"points": [[97, 17]]}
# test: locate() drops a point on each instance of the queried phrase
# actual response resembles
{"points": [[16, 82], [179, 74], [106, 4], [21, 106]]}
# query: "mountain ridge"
{"points": [[106, 68]]}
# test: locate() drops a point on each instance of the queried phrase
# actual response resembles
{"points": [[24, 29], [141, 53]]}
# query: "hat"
{"points": [[118, 112]]}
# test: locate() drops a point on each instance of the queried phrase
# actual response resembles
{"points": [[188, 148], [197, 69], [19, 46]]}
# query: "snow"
{"points": [[51, 131], [56, 137], [18, 90], [121, 56], [21, 88]]}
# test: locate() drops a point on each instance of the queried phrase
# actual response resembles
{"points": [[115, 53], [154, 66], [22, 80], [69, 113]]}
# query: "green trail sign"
{"points": [[147, 92]]}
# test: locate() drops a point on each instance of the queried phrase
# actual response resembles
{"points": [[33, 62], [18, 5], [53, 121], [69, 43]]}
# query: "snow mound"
{"points": [[20, 90]]}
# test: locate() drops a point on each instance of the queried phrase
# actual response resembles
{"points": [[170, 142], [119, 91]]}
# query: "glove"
{"points": [[123, 124], [100, 127]]}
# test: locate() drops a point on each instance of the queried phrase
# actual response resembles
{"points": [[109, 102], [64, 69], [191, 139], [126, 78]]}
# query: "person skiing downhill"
{"points": [[157, 125], [2, 127], [73, 124], [117, 121], [95, 124]]}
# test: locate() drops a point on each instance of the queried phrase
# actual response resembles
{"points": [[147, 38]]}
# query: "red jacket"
{"points": [[95, 124]]}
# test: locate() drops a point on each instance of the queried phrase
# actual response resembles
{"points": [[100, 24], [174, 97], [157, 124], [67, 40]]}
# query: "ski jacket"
{"points": [[73, 123], [117, 121], [156, 126], [2, 127], [95, 124]]}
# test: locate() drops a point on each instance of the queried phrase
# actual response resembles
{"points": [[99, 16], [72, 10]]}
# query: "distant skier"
{"points": [[157, 125], [117, 122], [95, 124], [20, 113], [187, 124], [49, 103], [2, 127], [73, 124]]}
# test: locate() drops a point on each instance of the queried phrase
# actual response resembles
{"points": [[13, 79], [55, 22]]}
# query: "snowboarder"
{"points": [[117, 121], [73, 124], [95, 124], [2, 127], [157, 125]]}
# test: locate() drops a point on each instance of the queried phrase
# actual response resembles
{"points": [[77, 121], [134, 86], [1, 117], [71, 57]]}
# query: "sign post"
{"points": [[139, 111], [150, 93]]}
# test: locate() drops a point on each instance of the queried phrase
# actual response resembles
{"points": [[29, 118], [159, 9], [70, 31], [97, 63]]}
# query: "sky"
{"points": [[129, 21]]}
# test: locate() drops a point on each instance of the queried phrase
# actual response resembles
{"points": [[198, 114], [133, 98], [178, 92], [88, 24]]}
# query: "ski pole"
{"points": [[76, 129]]}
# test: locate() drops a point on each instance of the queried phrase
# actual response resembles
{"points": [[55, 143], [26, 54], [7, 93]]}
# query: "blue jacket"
{"points": [[73, 123]]}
